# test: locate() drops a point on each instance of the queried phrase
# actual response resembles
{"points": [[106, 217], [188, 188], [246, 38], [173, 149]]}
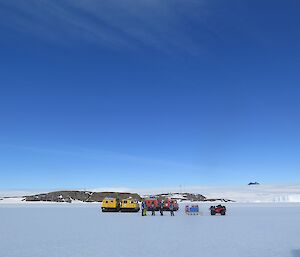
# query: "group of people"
{"points": [[153, 208]]}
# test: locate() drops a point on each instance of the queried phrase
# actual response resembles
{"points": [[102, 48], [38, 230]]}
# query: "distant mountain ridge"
{"points": [[247, 194], [89, 196], [83, 196]]}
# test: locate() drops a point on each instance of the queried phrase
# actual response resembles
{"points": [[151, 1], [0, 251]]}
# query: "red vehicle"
{"points": [[219, 209], [149, 203], [167, 204]]}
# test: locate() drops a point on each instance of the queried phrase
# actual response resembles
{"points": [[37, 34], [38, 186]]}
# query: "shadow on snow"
{"points": [[296, 253]]}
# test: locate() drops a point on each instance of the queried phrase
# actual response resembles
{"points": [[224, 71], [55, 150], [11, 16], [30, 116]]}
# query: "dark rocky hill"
{"points": [[83, 196], [88, 196]]}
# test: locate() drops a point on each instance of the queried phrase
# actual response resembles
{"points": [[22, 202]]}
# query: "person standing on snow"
{"points": [[144, 209], [161, 208], [172, 208], [153, 209]]}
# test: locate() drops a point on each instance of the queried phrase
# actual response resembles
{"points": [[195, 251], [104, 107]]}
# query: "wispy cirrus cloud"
{"points": [[160, 25]]}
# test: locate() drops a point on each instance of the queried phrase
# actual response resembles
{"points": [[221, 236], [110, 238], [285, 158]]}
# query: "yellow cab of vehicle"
{"points": [[110, 204], [129, 205]]}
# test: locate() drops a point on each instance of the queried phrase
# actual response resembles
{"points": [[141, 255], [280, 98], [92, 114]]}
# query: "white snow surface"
{"points": [[81, 230], [12, 200], [255, 194]]}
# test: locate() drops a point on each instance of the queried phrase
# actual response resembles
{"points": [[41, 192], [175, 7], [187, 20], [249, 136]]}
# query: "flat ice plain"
{"points": [[81, 230]]}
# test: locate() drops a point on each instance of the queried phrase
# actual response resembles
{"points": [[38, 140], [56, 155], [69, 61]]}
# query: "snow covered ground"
{"points": [[81, 230]]}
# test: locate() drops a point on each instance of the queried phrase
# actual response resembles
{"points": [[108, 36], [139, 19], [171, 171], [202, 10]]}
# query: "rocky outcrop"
{"points": [[83, 196], [253, 184], [182, 196], [218, 200]]}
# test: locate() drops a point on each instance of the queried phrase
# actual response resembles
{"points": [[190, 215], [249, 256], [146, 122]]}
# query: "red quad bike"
{"points": [[219, 209]]}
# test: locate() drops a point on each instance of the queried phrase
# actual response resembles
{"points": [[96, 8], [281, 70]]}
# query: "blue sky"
{"points": [[148, 93]]}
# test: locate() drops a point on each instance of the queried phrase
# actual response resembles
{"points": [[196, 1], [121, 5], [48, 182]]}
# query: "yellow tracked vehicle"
{"points": [[110, 204], [129, 205]]}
